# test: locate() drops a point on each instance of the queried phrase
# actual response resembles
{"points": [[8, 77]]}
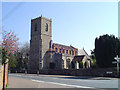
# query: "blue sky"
{"points": [[76, 24]]}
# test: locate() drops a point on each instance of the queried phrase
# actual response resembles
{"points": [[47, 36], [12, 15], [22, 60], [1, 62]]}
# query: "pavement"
{"points": [[60, 81], [26, 83]]}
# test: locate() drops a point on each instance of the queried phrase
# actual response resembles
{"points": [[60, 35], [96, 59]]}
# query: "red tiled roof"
{"points": [[65, 47]]}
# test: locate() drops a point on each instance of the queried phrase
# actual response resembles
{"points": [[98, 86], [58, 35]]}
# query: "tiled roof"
{"points": [[83, 52], [78, 58], [65, 47]]}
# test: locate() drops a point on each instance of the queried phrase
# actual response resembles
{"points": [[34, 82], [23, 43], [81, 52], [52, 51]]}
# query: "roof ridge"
{"points": [[65, 45], [86, 53]]}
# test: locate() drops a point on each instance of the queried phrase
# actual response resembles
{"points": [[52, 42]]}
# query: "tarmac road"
{"points": [[59, 81]]}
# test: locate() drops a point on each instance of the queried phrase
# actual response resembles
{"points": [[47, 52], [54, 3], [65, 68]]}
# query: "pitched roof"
{"points": [[78, 58], [83, 52], [65, 47]]}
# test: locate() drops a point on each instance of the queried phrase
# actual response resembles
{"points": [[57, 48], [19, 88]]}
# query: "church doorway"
{"points": [[73, 65], [85, 65], [52, 65], [67, 63]]}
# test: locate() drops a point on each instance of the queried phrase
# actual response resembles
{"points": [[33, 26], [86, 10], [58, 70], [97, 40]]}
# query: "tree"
{"points": [[117, 49], [9, 42], [19, 59], [4, 56], [93, 59], [12, 62], [9, 46], [106, 48], [24, 50]]}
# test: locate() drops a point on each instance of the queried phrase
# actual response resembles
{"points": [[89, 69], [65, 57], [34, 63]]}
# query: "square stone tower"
{"points": [[41, 36]]}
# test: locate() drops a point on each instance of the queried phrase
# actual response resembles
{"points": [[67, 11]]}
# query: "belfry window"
{"points": [[46, 27]]}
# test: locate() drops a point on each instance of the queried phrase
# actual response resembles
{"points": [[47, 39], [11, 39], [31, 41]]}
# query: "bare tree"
{"points": [[24, 50]]}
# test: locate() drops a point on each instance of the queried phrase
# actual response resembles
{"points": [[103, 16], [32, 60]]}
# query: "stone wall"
{"points": [[46, 37], [35, 43], [82, 72], [75, 72]]}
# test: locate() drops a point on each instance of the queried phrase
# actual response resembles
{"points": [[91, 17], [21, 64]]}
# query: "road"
{"points": [[59, 81]]}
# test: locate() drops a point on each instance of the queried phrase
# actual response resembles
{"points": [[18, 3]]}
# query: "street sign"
{"points": [[117, 62], [114, 62], [116, 58]]}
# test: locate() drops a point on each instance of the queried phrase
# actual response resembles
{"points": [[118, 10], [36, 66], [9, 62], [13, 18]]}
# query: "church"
{"points": [[44, 54]]}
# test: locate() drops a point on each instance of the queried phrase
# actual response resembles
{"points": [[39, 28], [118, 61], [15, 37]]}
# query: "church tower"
{"points": [[41, 36]]}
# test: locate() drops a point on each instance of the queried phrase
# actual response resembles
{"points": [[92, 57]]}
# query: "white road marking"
{"points": [[15, 75], [61, 84]]}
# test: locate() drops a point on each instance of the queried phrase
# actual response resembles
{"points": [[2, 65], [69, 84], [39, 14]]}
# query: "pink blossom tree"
{"points": [[9, 46], [9, 42]]}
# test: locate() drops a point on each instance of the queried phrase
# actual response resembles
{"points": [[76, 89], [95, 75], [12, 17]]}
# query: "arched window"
{"points": [[60, 51], [46, 28], [63, 51], [75, 52], [66, 51], [50, 44], [68, 63], [72, 52]]}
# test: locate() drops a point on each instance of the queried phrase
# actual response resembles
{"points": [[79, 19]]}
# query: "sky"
{"points": [[73, 23]]}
